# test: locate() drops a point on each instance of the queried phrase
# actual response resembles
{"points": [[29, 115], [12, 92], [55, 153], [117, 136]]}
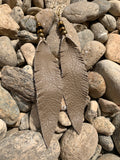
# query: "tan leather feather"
{"points": [[48, 87], [75, 82]]}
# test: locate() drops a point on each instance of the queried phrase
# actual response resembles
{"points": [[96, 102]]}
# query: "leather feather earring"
{"points": [[48, 86]]}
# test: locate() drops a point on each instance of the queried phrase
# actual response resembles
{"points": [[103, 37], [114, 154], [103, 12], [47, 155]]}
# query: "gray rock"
{"points": [[81, 27], [28, 69], [63, 119], [111, 74], [80, 12], [20, 58], [18, 81], [106, 142], [7, 52], [26, 4], [109, 157], [38, 3], [73, 1], [3, 129], [28, 145], [92, 52], [17, 14], [115, 8], [85, 36], [9, 110], [28, 23], [100, 33], [24, 123], [97, 153], [72, 143], [109, 22], [33, 10]]}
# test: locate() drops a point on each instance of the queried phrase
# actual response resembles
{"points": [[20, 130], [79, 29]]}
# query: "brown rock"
{"points": [[113, 48], [115, 8], [60, 129], [63, 119], [38, 3], [33, 10], [118, 23], [109, 156], [11, 3], [26, 4], [63, 105], [82, 146], [17, 124], [24, 122], [4, 8], [97, 86]]}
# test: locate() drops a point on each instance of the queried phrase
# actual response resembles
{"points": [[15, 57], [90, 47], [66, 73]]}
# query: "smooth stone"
{"points": [[3, 129], [103, 126], [27, 37], [38, 3], [17, 14], [28, 145], [115, 8], [28, 69], [28, 51], [63, 119], [8, 27], [109, 156], [97, 86], [100, 33], [92, 111], [104, 6], [28, 23], [60, 129], [26, 4], [97, 153], [111, 74], [16, 80], [92, 52], [5, 8], [118, 23], [113, 48], [106, 142], [80, 12], [85, 36], [20, 58], [33, 10], [11, 3], [108, 107], [7, 52], [9, 110], [72, 143], [46, 21], [109, 22], [24, 122]]}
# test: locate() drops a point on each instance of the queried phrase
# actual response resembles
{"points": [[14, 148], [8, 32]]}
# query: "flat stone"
{"points": [[115, 8], [24, 122], [92, 52], [100, 33], [28, 145], [103, 126], [72, 143], [28, 51], [7, 52], [113, 48], [9, 110], [80, 12], [5, 8], [106, 142], [108, 107], [26, 4], [38, 3], [63, 119], [33, 10], [20, 58], [109, 22], [97, 86], [3, 129], [109, 156], [85, 36], [111, 74], [18, 81]]}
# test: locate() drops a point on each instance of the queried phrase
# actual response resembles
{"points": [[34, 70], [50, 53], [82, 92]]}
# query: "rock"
{"points": [[11, 131], [73, 1], [85, 36], [97, 86], [3, 129], [106, 142], [38, 3], [81, 27], [27, 37], [100, 33], [113, 48], [7, 52], [9, 110], [97, 153], [118, 23], [19, 3], [109, 22], [115, 8], [108, 107], [111, 73], [28, 23], [103, 126], [72, 143], [17, 14], [63, 119], [24, 122], [0, 2], [109, 156], [46, 21], [33, 10], [92, 52], [28, 69], [28, 51], [104, 6], [60, 129], [8, 27], [15, 43], [18, 81], [20, 58], [5, 8], [80, 12], [28, 145], [26, 4], [63, 105], [92, 111], [17, 124], [11, 3]]}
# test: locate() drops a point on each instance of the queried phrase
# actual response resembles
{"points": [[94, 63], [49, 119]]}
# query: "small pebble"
{"points": [[63, 119], [3, 129], [115, 8], [109, 156], [17, 124], [24, 122]]}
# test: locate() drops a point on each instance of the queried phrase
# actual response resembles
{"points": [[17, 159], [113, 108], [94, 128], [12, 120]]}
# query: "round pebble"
{"points": [[3, 129]]}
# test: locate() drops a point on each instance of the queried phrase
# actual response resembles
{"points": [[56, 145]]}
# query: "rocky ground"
{"points": [[97, 23]]}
